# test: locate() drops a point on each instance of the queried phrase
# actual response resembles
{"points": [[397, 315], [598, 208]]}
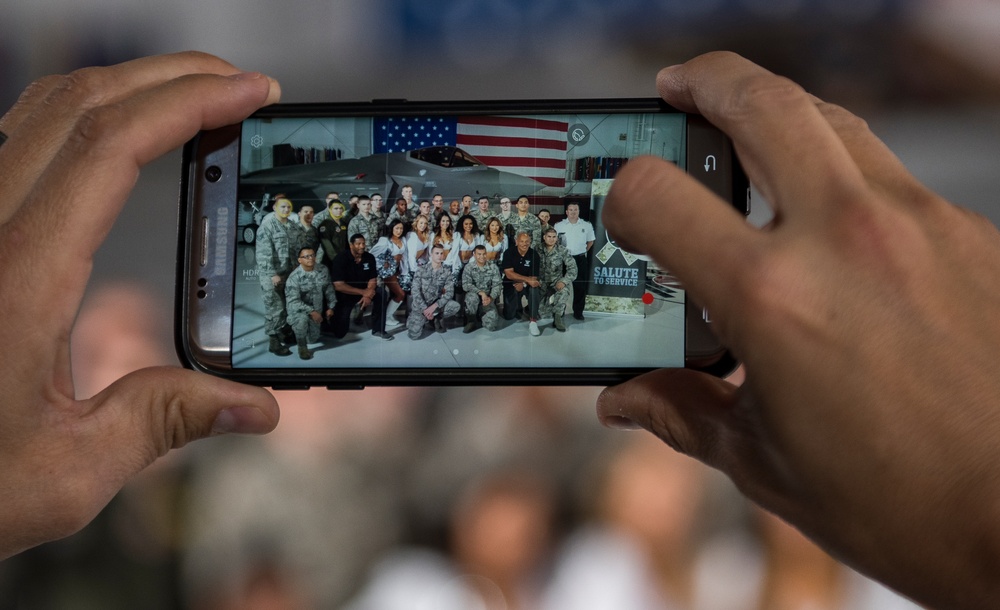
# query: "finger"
{"points": [[685, 409], [91, 452], [105, 151], [45, 115], [30, 99], [703, 417], [145, 414], [787, 148], [880, 167], [657, 209]]}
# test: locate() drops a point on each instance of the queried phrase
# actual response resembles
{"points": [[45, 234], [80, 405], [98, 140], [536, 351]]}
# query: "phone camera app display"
{"points": [[471, 241]]}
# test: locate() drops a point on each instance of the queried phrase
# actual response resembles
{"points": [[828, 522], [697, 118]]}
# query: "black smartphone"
{"points": [[408, 243]]}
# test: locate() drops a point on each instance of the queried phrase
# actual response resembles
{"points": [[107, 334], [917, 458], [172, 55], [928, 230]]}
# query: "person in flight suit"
{"points": [[333, 232]]}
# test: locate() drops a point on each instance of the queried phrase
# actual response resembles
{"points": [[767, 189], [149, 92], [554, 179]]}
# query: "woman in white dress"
{"points": [[393, 267], [418, 244]]}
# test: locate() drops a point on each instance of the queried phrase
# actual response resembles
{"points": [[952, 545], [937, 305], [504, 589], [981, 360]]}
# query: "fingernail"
{"points": [[238, 420], [274, 90], [619, 422], [274, 94]]}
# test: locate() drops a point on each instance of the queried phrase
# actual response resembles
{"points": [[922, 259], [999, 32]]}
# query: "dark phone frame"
{"points": [[718, 363]]}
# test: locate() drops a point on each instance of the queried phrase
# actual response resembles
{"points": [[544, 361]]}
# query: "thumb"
{"points": [[88, 457], [154, 410], [688, 410]]}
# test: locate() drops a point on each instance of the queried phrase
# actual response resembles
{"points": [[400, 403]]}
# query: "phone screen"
{"points": [[420, 168]]}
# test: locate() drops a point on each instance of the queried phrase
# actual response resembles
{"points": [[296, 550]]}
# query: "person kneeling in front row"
{"points": [[308, 288], [482, 284], [520, 269], [558, 270], [431, 295]]}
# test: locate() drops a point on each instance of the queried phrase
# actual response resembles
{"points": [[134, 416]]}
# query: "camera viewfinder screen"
{"points": [[447, 241]]}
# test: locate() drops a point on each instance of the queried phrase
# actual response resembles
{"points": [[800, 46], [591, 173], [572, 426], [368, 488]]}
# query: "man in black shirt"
{"points": [[520, 278], [355, 280]]}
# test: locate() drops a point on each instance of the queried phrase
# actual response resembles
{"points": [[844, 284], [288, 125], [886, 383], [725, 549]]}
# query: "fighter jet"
{"points": [[447, 170]]}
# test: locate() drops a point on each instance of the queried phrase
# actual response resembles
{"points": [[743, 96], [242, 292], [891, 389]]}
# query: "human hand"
{"points": [[486, 299], [429, 311], [276, 280], [534, 282], [864, 314], [75, 147], [315, 316], [560, 285]]}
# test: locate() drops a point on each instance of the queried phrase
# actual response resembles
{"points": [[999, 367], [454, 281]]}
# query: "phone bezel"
{"points": [[213, 356]]}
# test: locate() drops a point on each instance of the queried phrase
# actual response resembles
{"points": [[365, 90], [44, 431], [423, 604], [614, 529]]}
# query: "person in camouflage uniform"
{"points": [[365, 222], [482, 284], [306, 291], [402, 212], [303, 234], [482, 213], [525, 221], [431, 295], [557, 272], [274, 263]]}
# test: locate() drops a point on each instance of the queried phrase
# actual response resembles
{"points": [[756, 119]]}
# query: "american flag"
{"points": [[530, 147]]}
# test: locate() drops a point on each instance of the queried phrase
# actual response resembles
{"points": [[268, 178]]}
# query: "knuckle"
{"points": [[842, 120], [38, 90], [763, 93], [199, 56], [95, 130], [84, 88]]}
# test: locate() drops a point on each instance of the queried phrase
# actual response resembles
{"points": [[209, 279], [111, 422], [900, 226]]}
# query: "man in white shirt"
{"points": [[578, 237]]}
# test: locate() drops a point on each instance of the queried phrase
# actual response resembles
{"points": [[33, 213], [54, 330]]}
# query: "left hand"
{"points": [[75, 146]]}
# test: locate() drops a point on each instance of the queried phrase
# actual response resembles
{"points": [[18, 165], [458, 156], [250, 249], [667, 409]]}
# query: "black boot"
{"points": [[557, 321], [287, 335], [439, 324], [471, 322], [278, 348], [304, 352]]}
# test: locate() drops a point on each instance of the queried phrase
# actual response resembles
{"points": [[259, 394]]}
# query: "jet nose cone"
{"points": [[514, 185]]}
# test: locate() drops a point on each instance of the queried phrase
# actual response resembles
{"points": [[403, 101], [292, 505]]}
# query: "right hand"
{"points": [[866, 316]]}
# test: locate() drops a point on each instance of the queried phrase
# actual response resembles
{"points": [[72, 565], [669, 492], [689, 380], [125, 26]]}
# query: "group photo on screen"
{"points": [[447, 241]]}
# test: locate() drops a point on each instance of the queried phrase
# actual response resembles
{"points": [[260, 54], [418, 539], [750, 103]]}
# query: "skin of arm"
{"points": [[864, 315], [367, 293]]}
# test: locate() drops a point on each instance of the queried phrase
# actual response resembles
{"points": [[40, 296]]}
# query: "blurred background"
{"points": [[468, 498]]}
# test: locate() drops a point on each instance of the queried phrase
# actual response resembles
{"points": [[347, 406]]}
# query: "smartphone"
{"points": [[251, 193]]}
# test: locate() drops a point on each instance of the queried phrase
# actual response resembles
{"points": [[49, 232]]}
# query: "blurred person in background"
{"points": [[500, 532], [296, 517], [641, 549]]}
